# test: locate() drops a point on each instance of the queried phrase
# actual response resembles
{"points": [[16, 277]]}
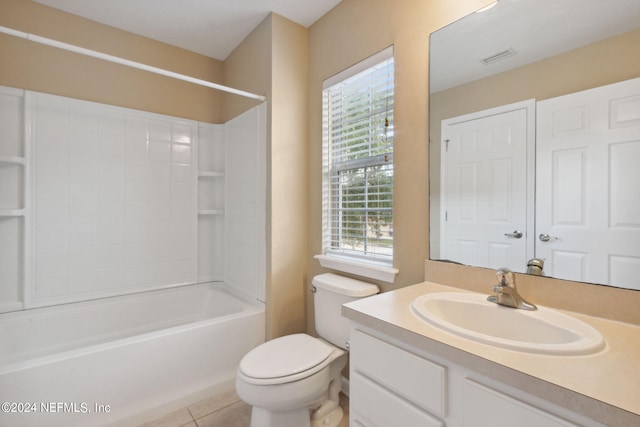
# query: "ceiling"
{"points": [[210, 27], [531, 29]]}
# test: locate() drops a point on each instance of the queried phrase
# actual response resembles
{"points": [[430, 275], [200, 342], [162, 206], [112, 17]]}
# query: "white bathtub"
{"points": [[122, 360]]}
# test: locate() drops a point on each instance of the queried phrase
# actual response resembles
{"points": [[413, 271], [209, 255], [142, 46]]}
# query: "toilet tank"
{"points": [[330, 292]]}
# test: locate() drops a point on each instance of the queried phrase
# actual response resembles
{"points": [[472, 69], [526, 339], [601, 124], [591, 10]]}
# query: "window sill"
{"points": [[358, 267]]}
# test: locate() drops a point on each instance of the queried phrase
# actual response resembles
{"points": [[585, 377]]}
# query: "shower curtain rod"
{"points": [[128, 63]]}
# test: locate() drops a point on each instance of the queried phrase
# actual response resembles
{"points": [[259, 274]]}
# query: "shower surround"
{"points": [[115, 223]]}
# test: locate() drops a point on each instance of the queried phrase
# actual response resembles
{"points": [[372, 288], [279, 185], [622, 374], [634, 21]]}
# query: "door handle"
{"points": [[516, 234], [544, 237]]}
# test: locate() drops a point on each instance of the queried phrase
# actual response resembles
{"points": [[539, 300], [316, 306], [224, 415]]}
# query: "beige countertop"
{"points": [[604, 386]]}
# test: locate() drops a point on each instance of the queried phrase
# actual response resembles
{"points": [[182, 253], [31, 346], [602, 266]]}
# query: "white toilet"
{"points": [[295, 380]]}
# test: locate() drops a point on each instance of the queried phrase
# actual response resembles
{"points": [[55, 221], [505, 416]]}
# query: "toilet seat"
{"points": [[285, 359]]}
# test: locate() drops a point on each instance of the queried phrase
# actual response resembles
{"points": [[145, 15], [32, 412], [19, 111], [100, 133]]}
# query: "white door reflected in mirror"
{"points": [[485, 187]]}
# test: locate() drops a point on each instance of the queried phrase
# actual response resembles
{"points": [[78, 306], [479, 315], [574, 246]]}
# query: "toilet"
{"points": [[295, 380]]}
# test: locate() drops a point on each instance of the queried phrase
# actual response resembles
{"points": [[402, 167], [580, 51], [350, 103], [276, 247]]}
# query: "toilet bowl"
{"points": [[292, 381], [295, 380]]}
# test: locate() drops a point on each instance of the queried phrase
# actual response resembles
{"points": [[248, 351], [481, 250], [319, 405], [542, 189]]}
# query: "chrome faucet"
{"points": [[506, 292]]}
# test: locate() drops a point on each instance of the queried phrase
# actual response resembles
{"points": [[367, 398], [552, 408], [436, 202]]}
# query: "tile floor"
{"points": [[221, 410]]}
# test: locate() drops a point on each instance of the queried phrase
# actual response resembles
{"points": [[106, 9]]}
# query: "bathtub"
{"points": [[123, 360]]}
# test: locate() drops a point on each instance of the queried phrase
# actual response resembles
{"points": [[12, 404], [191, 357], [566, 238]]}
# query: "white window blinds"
{"points": [[358, 161]]}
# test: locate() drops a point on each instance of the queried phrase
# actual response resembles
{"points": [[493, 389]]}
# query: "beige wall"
{"points": [[287, 63], [29, 65], [273, 60], [580, 69], [288, 177], [352, 31], [248, 68], [356, 29]]}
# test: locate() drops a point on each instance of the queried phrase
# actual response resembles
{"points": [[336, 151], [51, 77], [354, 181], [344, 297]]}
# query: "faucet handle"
{"points": [[506, 277]]}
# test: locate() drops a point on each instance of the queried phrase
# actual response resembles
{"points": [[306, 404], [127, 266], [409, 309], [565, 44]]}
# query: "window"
{"points": [[358, 161]]}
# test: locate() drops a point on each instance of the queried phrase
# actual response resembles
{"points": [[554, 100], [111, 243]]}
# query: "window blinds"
{"points": [[358, 142]]}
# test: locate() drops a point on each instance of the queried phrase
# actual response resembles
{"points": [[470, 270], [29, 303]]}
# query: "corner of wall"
{"points": [[273, 60]]}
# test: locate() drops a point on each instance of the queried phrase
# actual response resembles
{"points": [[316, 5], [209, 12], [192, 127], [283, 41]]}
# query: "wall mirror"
{"points": [[535, 139]]}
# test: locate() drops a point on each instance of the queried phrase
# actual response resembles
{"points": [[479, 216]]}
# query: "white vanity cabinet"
{"points": [[393, 384], [393, 387]]}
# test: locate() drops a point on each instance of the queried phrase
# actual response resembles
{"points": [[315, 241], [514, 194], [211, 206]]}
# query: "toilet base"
{"points": [[264, 418], [332, 419]]}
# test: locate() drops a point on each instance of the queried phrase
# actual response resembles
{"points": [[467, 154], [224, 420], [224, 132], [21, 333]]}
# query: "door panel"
{"points": [[588, 169], [485, 187]]}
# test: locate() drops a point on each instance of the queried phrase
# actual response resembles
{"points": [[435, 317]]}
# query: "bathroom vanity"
{"points": [[405, 371]]}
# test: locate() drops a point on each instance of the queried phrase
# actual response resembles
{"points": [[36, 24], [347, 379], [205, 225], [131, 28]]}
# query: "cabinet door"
{"points": [[486, 407], [382, 408], [409, 376]]}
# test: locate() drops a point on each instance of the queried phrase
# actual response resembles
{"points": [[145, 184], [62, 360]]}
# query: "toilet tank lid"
{"points": [[344, 285]]}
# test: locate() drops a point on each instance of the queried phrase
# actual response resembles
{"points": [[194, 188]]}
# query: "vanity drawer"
{"points": [[375, 406], [414, 378], [481, 402]]}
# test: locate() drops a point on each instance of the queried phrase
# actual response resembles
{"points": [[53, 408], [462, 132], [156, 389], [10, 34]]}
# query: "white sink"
{"points": [[544, 331]]}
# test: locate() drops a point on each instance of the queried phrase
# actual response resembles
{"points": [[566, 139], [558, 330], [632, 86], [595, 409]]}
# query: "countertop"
{"points": [[604, 386]]}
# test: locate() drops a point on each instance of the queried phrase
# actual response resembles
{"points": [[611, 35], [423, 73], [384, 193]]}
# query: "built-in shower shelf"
{"points": [[11, 212], [12, 160], [211, 212], [211, 174]]}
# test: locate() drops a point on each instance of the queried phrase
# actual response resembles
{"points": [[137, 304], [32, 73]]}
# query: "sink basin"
{"points": [[543, 331]]}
